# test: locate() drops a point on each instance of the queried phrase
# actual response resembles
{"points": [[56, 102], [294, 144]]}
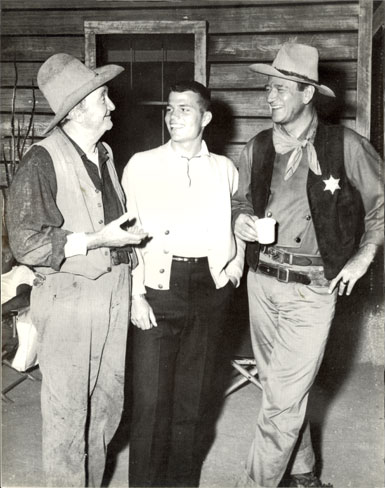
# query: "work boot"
{"points": [[306, 479]]}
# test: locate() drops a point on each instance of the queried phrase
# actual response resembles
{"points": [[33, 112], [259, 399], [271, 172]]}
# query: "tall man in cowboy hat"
{"points": [[312, 179], [65, 219]]}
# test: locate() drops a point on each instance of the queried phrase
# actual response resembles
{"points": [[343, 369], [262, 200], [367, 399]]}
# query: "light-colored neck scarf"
{"points": [[284, 142]]}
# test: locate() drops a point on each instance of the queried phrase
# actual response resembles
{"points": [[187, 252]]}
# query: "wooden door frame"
{"points": [[92, 28], [364, 68]]}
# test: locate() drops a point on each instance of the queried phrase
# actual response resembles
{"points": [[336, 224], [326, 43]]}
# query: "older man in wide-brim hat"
{"points": [[64, 216], [312, 178]]}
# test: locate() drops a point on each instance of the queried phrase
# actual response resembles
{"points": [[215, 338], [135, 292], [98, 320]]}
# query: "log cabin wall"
{"points": [[239, 33]]}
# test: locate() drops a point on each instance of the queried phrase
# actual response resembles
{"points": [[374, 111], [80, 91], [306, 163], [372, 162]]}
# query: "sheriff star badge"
{"points": [[332, 184]]}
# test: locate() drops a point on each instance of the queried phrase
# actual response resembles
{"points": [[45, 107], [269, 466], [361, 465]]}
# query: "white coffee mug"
{"points": [[266, 230]]}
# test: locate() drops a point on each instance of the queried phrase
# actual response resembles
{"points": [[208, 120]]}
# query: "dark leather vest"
{"points": [[337, 217]]}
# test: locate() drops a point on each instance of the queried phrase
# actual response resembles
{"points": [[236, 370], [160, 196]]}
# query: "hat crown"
{"points": [[298, 59], [60, 76]]}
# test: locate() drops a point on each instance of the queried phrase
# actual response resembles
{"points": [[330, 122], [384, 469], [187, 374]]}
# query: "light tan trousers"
{"points": [[82, 329], [290, 324]]}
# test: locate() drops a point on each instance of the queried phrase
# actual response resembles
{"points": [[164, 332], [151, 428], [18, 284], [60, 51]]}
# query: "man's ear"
{"points": [[308, 94], [76, 113], [206, 119]]}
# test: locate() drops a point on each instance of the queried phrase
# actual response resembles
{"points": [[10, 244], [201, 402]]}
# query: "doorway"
{"points": [[154, 55]]}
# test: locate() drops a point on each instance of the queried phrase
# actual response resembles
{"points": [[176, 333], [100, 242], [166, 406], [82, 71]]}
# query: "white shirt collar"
{"points": [[202, 152]]}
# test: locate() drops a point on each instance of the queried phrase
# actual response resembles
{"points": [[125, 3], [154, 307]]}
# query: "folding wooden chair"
{"points": [[243, 360], [8, 349]]}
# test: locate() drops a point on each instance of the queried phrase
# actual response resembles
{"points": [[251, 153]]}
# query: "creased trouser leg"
{"points": [[289, 328], [72, 316]]}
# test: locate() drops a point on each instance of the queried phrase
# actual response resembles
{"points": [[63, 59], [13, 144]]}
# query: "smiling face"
{"points": [[287, 103], [96, 111], [185, 117]]}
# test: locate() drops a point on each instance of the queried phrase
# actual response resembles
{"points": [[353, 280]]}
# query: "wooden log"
{"points": [[264, 47], [40, 123], [225, 20], [23, 101], [26, 73], [253, 48], [40, 48], [114, 4]]}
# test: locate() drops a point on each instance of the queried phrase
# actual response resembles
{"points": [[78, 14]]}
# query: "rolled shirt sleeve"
{"points": [[34, 221], [241, 201], [364, 168]]}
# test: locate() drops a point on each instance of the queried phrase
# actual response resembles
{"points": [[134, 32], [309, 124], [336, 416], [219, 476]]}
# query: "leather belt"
{"points": [[283, 274], [189, 260], [284, 257]]}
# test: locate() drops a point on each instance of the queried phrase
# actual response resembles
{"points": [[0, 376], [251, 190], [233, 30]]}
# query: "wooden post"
{"points": [[364, 68], [89, 45], [200, 54]]}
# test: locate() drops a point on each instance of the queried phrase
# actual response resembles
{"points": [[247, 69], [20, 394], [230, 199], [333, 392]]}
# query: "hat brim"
{"points": [[104, 75], [268, 70]]}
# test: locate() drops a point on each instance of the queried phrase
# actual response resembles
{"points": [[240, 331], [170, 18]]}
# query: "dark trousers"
{"points": [[174, 378]]}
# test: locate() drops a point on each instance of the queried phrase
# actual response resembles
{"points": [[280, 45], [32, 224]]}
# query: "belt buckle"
{"points": [[276, 255], [283, 278]]}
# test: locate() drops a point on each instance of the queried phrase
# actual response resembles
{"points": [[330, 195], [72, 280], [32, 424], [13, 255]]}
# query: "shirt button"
{"points": [[100, 221], [99, 204], [160, 286], [308, 217], [106, 253], [297, 239], [96, 191], [165, 251], [109, 269], [269, 214], [161, 270], [167, 232]]}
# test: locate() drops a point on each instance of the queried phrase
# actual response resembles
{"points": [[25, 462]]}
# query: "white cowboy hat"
{"points": [[65, 81], [296, 62]]}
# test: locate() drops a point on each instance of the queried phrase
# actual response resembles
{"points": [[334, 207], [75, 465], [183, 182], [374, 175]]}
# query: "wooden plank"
{"points": [[23, 100], [253, 48], [253, 103], [263, 48], [364, 68], [112, 4], [378, 19], [26, 73], [225, 20], [233, 76], [40, 48], [40, 123], [199, 29]]}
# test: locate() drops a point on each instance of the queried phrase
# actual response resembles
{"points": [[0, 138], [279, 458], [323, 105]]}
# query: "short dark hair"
{"points": [[196, 87], [301, 86]]}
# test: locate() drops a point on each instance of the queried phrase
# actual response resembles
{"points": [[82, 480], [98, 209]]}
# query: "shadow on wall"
{"points": [[332, 109], [220, 132]]}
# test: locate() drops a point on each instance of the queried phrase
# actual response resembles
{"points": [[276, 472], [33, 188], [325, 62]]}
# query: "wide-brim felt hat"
{"points": [[296, 62], [65, 81]]}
